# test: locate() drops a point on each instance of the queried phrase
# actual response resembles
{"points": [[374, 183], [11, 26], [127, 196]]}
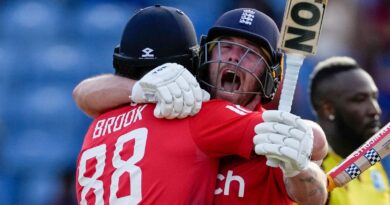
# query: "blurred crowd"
{"points": [[47, 47]]}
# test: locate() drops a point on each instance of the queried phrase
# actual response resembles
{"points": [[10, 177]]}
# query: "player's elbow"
{"points": [[76, 95], [81, 100]]}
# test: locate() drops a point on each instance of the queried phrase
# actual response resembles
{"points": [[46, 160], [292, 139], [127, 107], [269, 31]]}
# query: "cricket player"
{"points": [[235, 66], [345, 100]]}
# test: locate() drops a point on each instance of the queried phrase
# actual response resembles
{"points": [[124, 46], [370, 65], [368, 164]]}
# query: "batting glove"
{"points": [[284, 137], [175, 90]]}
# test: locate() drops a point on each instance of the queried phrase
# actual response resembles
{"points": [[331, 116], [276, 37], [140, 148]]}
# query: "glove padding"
{"points": [[284, 137], [175, 90]]}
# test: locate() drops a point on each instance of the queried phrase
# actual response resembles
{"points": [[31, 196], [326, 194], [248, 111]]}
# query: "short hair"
{"points": [[324, 71]]}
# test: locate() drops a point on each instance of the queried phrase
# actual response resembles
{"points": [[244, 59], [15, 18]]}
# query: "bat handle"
{"points": [[294, 62]]}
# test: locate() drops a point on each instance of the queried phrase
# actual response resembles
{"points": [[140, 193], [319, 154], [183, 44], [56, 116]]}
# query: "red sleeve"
{"points": [[222, 128]]}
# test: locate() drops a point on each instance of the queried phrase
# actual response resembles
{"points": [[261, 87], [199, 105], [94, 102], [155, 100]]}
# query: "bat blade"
{"points": [[301, 27], [368, 154]]}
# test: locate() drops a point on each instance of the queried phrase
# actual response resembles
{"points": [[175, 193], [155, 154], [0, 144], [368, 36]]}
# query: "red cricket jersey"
{"points": [[243, 181], [131, 157], [249, 181]]}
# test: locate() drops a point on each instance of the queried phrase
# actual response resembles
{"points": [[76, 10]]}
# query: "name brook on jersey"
{"points": [[113, 124]]}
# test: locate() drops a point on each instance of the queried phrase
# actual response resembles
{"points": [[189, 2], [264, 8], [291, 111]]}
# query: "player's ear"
{"points": [[327, 110]]}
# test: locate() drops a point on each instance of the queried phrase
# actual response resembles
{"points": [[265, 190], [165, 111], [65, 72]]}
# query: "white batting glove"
{"points": [[284, 137], [175, 90]]}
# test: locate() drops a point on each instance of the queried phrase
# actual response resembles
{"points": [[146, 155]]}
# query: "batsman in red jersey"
{"points": [[242, 181], [129, 156], [240, 63]]}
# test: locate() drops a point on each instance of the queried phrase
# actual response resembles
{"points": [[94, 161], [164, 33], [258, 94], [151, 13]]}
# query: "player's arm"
{"points": [[308, 187], [99, 94], [289, 139], [171, 86]]}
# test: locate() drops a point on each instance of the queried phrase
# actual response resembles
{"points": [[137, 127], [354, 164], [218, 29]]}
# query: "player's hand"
{"points": [[175, 90], [284, 137]]}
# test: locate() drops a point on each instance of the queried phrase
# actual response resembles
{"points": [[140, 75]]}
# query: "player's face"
{"points": [[236, 71], [357, 109]]}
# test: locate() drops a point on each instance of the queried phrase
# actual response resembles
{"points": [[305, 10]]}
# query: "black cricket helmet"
{"points": [[259, 29], [153, 36]]}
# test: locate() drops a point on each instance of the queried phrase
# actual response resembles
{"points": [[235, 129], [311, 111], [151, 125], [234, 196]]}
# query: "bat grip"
{"points": [[294, 62]]}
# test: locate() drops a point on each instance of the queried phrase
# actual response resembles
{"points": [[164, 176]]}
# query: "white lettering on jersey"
{"points": [[119, 122], [121, 167], [114, 124], [128, 167], [238, 109], [230, 178], [92, 183]]}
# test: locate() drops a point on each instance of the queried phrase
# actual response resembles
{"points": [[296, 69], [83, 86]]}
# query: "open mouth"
{"points": [[230, 81]]}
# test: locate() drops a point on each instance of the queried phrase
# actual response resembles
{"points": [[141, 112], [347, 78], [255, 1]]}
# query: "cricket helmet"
{"points": [[256, 27], [153, 36]]}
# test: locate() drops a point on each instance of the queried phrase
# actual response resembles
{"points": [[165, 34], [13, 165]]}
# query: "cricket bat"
{"points": [[300, 33], [371, 152]]}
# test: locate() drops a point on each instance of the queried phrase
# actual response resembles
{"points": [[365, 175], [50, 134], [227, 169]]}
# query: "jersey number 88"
{"points": [[120, 167]]}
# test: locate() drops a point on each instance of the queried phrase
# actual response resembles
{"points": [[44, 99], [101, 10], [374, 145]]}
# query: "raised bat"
{"points": [[371, 152], [300, 33]]}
